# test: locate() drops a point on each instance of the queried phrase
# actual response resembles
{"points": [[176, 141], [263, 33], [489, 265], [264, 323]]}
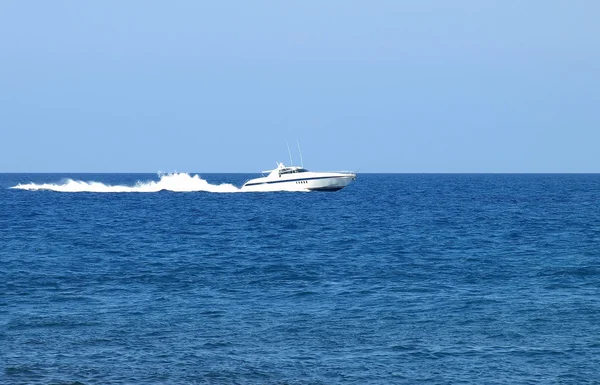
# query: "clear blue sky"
{"points": [[379, 86]]}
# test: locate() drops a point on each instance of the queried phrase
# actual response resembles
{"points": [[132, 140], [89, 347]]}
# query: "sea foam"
{"points": [[180, 182]]}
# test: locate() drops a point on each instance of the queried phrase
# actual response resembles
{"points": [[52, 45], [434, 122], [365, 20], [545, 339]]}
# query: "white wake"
{"points": [[179, 182]]}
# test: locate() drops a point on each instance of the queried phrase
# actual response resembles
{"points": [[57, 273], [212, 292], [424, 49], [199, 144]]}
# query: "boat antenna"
{"points": [[300, 151], [289, 152]]}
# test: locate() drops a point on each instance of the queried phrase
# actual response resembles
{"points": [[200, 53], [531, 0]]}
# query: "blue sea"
{"points": [[396, 279]]}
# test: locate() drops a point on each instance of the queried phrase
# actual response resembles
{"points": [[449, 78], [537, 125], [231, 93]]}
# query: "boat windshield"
{"points": [[292, 170]]}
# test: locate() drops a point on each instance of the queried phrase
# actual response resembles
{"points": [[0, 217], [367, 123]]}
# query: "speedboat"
{"points": [[294, 178]]}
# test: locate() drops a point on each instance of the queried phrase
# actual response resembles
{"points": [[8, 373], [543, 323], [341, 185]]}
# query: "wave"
{"points": [[179, 182]]}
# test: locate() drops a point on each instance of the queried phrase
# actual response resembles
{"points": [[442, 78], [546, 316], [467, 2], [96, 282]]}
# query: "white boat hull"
{"points": [[315, 182]]}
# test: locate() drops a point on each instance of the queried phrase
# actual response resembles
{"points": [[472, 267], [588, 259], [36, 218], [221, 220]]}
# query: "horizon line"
{"points": [[357, 172]]}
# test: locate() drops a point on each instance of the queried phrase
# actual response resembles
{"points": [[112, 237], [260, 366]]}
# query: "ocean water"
{"points": [[397, 279]]}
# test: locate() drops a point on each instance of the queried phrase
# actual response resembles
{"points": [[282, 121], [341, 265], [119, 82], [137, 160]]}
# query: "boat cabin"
{"points": [[283, 170]]}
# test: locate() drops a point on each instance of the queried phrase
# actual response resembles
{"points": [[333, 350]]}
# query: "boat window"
{"points": [[292, 170]]}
